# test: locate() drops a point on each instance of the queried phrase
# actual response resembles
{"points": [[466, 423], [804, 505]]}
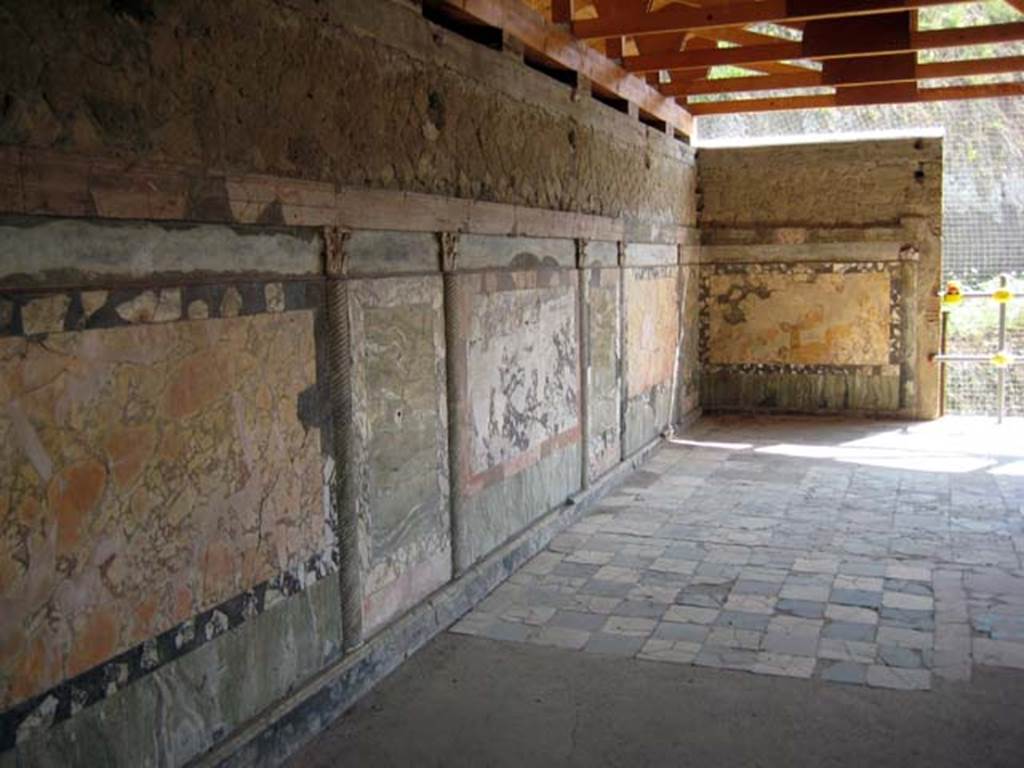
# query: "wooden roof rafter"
{"points": [[556, 42], [690, 18], [798, 53], [835, 46]]}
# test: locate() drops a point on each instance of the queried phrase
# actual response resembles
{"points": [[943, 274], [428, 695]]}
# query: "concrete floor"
{"points": [[837, 561]]}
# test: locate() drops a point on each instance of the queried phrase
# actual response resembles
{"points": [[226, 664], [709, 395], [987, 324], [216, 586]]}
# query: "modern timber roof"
{"points": [[674, 59]]}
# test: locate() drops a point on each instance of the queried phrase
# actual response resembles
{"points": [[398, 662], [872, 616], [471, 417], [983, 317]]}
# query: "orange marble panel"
{"points": [[147, 473]]}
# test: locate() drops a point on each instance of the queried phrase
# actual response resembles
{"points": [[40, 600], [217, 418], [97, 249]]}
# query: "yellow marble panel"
{"points": [[800, 318], [652, 327]]}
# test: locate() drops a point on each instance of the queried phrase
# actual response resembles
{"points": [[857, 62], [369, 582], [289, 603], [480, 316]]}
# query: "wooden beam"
{"points": [[937, 38], [678, 18], [884, 94], [561, 11], [558, 44], [743, 84], [965, 68], [740, 36]]}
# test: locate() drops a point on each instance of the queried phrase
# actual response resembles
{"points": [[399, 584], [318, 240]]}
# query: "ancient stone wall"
{"points": [[820, 269], [308, 335], [371, 95]]}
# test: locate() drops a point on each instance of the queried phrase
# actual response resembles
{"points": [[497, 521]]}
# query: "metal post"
{"points": [[1001, 371], [942, 363]]}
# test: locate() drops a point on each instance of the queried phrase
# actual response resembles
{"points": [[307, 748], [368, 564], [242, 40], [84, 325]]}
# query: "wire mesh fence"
{"points": [[983, 215]]}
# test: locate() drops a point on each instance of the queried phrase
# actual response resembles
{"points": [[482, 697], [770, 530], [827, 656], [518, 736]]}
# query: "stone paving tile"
{"points": [[897, 617], [691, 614], [629, 625], [587, 622], [895, 656], [528, 614], [606, 588], [751, 603], [907, 602], [617, 574], [855, 574], [841, 630], [807, 593], [909, 587], [904, 638], [674, 651], [542, 562], [505, 630], [847, 672], [908, 573], [857, 597], [671, 565], [472, 623], [730, 637], [851, 614], [617, 645], [764, 573], [654, 593], [806, 609], [816, 565], [998, 653], [862, 568], [741, 620], [858, 583], [749, 587], [791, 644], [647, 609], [726, 658], [782, 665], [560, 637], [847, 650], [704, 596], [592, 604], [693, 633]]}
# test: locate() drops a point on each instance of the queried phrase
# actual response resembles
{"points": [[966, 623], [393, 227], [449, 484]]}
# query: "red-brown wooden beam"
{"points": [[740, 36], [965, 68], [559, 45], [839, 47], [899, 93], [678, 18]]}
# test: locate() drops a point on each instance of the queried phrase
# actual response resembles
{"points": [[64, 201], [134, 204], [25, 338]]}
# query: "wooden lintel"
{"points": [[45, 182]]}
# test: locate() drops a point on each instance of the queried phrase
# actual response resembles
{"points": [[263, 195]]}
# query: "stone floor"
{"points": [[865, 553]]}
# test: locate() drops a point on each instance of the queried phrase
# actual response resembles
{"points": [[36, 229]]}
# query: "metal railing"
{"points": [[1002, 358]]}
